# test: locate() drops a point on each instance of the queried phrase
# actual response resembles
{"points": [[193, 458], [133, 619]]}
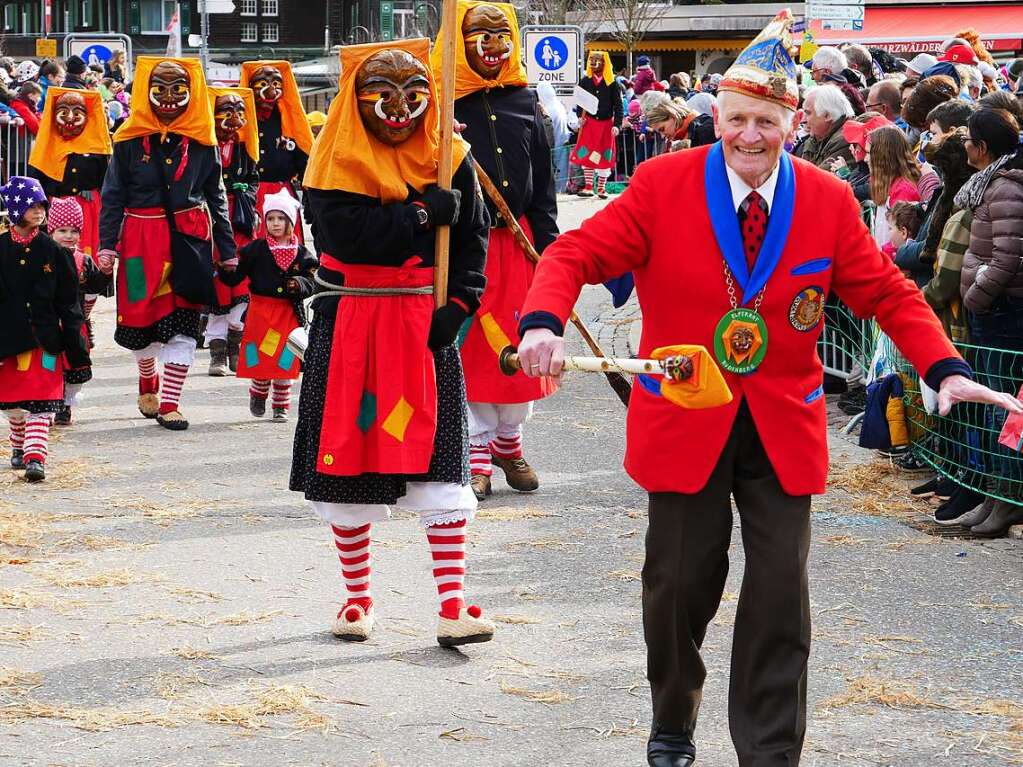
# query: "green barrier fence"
{"points": [[963, 445]]}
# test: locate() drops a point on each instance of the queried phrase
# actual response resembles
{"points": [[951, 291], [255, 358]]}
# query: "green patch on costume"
{"points": [[367, 412], [607, 154], [135, 279], [464, 331], [582, 152]]}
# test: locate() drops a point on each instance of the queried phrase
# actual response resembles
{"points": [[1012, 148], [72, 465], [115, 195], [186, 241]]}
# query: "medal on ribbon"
{"points": [[740, 338]]}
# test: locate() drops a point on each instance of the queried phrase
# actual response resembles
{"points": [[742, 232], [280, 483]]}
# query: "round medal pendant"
{"points": [[740, 341]]}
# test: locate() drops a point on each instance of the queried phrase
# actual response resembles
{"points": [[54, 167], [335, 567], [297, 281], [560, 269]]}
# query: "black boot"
{"points": [[17, 459], [63, 416], [35, 471], [257, 405], [234, 341], [670, 749], [218, 358]]}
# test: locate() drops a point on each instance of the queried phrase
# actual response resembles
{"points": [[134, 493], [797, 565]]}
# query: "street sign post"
{"points": [[836, 14], [98, 47], [553, 55], [387, 20]]}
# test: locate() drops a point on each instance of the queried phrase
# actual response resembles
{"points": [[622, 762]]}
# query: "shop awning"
{"points": [[670, 46], [924, 28]]}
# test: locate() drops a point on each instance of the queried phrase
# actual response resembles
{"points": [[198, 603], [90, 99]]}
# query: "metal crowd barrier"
{"points": [[15, 146], [630, 151], [963, 445]]}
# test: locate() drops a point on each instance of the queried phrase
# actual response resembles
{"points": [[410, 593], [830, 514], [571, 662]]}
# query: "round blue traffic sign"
{"points": [[97, 54], [551, 53]]}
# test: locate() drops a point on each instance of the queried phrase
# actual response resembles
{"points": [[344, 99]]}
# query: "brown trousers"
{"points": [[683, 579]]}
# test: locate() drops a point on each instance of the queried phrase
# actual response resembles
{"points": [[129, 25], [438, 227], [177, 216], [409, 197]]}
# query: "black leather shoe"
{"points": [[670, 749]]}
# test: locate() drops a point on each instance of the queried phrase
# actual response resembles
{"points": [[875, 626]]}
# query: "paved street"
{"points": [[164, 600]]}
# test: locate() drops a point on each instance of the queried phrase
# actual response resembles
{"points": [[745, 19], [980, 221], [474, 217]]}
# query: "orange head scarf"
{"points": [[196, 122], [294, 124], [608, 73], [348, 158], [249, 135], [467, 79], [51, 150]]}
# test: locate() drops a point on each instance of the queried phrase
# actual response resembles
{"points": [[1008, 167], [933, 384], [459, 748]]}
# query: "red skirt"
{"points": [[595, 147], [32, 376], [380, 410], [264, 354], [89, 242], [496, 325], [228, 296], [272, 187], [144, 292]]}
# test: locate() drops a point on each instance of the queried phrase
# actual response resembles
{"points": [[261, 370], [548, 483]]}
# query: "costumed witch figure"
{"points": [[285, 138], [42, 325], [595, 147], [279, 270], [64, 224], [504, 126], [382, 417], [163, 207], [234, 119], [70, 157]]}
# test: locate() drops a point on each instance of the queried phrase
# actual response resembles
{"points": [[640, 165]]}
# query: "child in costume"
{"points": [[165, 170], [280, 274], [64, 224], [234, 116], [285, 138], [382, 417], [505, 128], [42, 325]]}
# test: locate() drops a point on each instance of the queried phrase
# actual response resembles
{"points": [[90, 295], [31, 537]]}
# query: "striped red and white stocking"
{"points": [[88, 305], [507, 446], [281, 394], [588, 179], [447, 547], [17, 438], [353, 550], [173, 380], [479, 460], [37, 436], [259, 388], [601, 184], [149, 381]]}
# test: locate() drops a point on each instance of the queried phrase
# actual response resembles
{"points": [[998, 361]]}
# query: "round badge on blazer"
{"points": [[807, 308]]}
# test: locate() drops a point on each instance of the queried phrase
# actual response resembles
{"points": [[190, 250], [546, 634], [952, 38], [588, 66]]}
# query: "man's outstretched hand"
{"points": [[541, 353], [956, 389]]}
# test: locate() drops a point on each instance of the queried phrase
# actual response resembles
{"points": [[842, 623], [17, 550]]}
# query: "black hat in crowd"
{"points": [[76, 65]]}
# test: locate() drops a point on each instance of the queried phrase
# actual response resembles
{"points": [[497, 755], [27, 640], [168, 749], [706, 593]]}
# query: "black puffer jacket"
{"points": [[993, 266]]}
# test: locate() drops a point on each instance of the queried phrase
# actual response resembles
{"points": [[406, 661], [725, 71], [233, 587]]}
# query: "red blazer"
{"points": [[660, 230]]}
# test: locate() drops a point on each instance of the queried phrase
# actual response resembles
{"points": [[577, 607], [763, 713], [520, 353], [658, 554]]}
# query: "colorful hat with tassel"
{"points": [[765, 70]]}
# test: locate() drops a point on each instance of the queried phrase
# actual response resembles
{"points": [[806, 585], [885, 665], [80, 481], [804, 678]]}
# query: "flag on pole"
{"points": [[174, 33], [48, 16]]}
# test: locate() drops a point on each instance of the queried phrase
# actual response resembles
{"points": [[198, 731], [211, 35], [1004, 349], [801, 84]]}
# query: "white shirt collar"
{"points": [[740, 189]]}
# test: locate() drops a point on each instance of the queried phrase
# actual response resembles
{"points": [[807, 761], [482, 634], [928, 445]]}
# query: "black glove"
{"points": [[444, 327], [441, 205]]}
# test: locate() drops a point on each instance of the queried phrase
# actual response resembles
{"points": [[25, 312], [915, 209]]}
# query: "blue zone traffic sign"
{"points": [[97, 54], [551, 53]]}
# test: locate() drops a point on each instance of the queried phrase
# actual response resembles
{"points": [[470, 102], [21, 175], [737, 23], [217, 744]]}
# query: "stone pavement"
{"points": [[164, 600]]}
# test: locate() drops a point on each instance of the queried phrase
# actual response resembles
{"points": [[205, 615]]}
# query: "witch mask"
{"points": [[229, 117], [70, 115], [393, 89], [488, 40], [170, 91], [596, 64], [267, 84]]}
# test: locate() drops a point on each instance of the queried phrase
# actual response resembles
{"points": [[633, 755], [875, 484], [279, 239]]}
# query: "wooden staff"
{"points": [[677, 367], [617, 381], [449, 23]]}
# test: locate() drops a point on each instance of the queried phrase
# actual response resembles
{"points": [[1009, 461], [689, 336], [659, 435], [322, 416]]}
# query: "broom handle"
{"points": [[527, 247], [449, 23]]}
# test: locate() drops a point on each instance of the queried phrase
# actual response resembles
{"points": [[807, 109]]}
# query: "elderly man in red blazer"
{"points": [[767, 238]]}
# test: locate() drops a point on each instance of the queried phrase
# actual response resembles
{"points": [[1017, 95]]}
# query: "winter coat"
{"points": [[993, 265], [942, 291], [822, 151], [643, 81]]}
